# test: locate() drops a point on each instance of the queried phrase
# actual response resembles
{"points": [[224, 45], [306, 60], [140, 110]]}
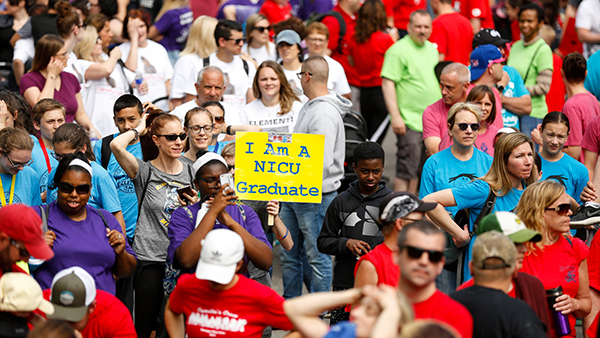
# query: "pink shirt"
{"points": [[580, 109], [435, 119], [591, 138]]}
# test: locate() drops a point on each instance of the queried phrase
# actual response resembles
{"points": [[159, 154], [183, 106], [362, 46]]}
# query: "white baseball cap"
{"points": [[19, 292], [222, 250]]}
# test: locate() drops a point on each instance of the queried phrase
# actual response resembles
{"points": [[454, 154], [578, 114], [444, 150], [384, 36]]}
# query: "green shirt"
{"points": [[521, 58], [411, 67]]}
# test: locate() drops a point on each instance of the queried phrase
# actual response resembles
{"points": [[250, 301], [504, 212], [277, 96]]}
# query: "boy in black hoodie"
{"points": [[350, 229]]}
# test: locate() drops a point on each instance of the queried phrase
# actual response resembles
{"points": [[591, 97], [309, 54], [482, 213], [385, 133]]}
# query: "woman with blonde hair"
{"points": [[198, 124], [200, 44], [558, 260], [257, 44], [277, 106], [171, 26], [105, 79], [508, 176]]}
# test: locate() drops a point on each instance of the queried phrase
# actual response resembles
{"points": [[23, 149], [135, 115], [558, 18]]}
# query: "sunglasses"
{"points": [[22, 251], [237, 41], [464, 126], [562, 209], [18, 164], [68, 188], [416, 253], [219, 119], [262, 29], [230, 167], [174, 137], [196, 129]]}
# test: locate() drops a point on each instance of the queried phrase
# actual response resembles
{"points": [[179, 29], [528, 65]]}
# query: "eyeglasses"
{"points": [[211, 182], [261, 29], [237, 41], [230, 167], [302, 73], [562, 209], [68, 188], [219, 119], [464, 126], [22, 251], [416, 253], [315, 40], [18, 164], [64, 55], [174, 137], [57, 156], [196, 129]]}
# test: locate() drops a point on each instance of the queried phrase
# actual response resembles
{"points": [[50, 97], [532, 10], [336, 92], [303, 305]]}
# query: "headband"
{"points": [[207, 157], [79, 163]]}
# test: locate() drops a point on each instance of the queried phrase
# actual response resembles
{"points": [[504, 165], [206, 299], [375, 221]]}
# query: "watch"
{"points": [[137, 134], [500, 88], [228, 131]]}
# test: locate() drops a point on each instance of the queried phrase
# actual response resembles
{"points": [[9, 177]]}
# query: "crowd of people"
{"points": [[118, 122]]}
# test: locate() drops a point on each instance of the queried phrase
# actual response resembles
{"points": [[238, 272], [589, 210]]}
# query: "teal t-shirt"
{"points": [[522, 58], [26, 191], [39, 163], [569, 172], [514, 88], [411, 67]]}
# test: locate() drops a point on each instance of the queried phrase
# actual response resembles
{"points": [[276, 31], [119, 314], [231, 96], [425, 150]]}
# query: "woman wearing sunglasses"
{"points": [[156, 180], [509, 174], [198, 125], [79, 234], [558, 259], [257, 44], [18, 182], [71, 138]]}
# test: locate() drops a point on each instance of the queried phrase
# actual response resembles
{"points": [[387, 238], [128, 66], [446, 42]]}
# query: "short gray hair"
{"points": [[209, 69], [462, 72]]}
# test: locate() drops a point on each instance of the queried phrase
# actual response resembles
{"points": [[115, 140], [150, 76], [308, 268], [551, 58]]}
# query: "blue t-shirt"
{"points": [[444, 171], [514, 88], [473, 196], [569, 172], [26, 187], [592, 80], [39, 163], [124, 185], [217, 148], [342, 330], [104, 193]]}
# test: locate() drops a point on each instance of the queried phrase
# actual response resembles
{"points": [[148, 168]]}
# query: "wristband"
{"points": [[137, 134], [228, 131], [287, 231]]}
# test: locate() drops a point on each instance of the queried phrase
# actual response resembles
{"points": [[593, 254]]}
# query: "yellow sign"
{"points": [[279, 166]]}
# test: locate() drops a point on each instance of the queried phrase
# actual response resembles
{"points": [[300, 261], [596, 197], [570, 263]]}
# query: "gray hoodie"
{"points": [[323, 115]]}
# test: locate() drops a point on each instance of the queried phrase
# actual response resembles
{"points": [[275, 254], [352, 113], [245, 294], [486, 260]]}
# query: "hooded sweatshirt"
{"points": [[324, 115], [346, 218]]}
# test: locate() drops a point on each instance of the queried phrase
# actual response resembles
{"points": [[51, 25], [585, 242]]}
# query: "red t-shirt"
{"points": [[580, 109], [274, 12], [515, 30], [558, 265], [110, 318], [368, 58], [435, 119], [591, 137], [445, 309], [452, 34], [555, 99], [475, 9], [334, 36], [471, 282], [390, 5], [594, 263], [388, 272], [243, 310], [403, 9]]}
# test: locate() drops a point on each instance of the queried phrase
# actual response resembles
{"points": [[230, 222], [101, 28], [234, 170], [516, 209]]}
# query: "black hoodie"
{"points": [[347, 219]]}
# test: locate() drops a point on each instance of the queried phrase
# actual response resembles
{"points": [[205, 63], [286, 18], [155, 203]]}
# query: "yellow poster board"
{"points": [[279, 166]]}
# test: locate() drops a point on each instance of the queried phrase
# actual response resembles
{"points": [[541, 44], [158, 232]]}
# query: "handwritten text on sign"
{"points": [[282, 166]]}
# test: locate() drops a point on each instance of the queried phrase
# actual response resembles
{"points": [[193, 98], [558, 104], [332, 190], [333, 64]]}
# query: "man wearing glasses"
{"points": [[420, 255]]}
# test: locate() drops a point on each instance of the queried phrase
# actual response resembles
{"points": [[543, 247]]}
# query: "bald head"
{"points": [[318, 67]]}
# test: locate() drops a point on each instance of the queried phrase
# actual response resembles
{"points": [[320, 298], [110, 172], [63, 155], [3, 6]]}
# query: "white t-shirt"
{"points": [[588, 17], [255, 113], [231, 114], [237, 81], [24, 50], [185, 75], [99, 96], [294, 81], [72, 69], [155, 66], [261, 54], [337, 80]]}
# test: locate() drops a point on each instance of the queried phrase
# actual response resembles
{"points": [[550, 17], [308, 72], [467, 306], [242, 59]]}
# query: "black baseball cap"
{"points": [[489, 36]]}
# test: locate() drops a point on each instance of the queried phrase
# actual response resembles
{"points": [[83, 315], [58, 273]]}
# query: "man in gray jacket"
{"points": [[321, 115]]}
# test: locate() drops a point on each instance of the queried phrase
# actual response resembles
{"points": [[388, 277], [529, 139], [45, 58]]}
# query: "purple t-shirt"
{"points": [[182, 225], [174, 25], [69, 87], [243, 9], [83, 244]]}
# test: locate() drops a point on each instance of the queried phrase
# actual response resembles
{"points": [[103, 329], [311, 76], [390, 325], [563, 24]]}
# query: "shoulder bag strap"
{"points": [[486, 210], [531, 62], [105, 151], [122, 66]]}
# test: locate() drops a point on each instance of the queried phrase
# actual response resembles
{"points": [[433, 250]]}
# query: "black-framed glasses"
{"points": [[261, 29], [562, 209], [57, 156], [14, 164], [464, 126], [67, 188], [237, 41], [315, 40], [173, 137], [196, 129], [211, 182], [22, 251], [219, 119], [416, 253], [299, 75]]}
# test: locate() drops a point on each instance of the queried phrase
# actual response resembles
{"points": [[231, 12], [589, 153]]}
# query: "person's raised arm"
{"points": [[119, 148], [132, 59], [33, 94], [100, 70], [279, 229], [440, 216]]}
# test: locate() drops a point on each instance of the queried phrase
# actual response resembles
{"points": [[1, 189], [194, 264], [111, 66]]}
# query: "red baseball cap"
{"points": [[21, 223]]}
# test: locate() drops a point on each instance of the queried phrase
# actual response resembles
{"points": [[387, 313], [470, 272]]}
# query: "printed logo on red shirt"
{"points": [[216, 322], [571, 276]]}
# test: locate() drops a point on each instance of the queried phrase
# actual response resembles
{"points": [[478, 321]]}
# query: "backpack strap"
{"points": [[44, 215], [486, 210], [103, 218], [342, 25], [105, 151], [206, 61]]}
